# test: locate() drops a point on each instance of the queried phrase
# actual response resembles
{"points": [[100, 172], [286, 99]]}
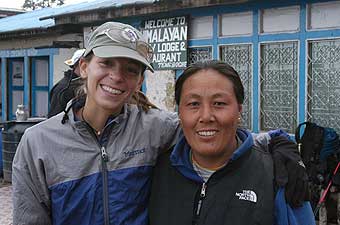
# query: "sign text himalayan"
{"points": [[168, 38]]}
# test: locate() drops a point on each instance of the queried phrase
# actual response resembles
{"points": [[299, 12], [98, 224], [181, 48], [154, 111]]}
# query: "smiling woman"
{"points": [[210, 114], [216, 174], [92, 163], [110, 82]]}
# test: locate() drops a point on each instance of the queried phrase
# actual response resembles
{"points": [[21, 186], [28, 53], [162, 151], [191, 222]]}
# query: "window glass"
{"points": [[286, 19], [41, 71], [278, 86], [240, 57], [323, 97], [197, 54], [201, 27], [233, 24], [41, 105], [324, 15]]}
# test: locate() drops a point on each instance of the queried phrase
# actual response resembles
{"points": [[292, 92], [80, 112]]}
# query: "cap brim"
{"points": [[120, 51]]}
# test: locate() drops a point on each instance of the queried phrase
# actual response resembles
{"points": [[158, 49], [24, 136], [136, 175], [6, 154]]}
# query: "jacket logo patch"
{"points": [[247, 195], [133, 152]]}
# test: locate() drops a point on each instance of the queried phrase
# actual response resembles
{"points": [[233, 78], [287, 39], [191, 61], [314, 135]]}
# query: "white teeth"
{"points": [[207, 133], [111, 90]]}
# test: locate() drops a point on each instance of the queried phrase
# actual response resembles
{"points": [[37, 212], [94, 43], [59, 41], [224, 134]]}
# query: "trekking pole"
{"points": [[323, 197]]}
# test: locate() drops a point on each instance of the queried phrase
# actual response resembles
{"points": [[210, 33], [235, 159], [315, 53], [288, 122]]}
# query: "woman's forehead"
{"points": [[207, 77], [121, 59]]}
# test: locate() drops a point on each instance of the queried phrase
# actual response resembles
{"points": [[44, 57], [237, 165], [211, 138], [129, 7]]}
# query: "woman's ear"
{"points": [[240, 108], [83, 68]]}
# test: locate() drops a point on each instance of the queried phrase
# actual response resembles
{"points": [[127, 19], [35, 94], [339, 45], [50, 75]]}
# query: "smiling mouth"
{"points": [[206, 133], [112, 90]]}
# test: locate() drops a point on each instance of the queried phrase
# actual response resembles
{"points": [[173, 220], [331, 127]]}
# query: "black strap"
{"points": [[298, 131]]}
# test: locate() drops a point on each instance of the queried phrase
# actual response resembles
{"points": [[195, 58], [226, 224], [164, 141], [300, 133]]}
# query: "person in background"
{"points": [[65, 89], [216, 174], [93, 163]]}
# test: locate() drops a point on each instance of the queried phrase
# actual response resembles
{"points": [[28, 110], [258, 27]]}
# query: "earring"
{"points": [[239, 120]]}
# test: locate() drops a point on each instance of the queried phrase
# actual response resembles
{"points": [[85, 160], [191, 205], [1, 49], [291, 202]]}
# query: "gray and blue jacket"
{"points": [[64, 174]]}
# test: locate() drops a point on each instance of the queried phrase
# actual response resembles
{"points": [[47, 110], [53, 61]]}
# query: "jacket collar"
{"points": [[75, 104], [180, 156]]}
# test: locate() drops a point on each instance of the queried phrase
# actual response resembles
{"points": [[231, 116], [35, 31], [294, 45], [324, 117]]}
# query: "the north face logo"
{"points": [[247, 195]]}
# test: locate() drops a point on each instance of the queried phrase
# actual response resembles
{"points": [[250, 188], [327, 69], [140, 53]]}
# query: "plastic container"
{"points": [[11, 135]]}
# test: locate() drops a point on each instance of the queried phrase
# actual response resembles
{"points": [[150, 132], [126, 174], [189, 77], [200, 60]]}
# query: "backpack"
{"points": [[310, 145], [319, 148]]}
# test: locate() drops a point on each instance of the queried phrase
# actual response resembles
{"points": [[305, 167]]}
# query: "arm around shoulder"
{"points": [[170, 130]]}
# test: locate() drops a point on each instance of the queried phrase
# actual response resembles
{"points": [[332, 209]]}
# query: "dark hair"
{"points": [[219, 66]]}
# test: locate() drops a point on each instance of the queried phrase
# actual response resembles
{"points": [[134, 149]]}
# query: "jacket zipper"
{"points": [[199, 203], [104, 159]]}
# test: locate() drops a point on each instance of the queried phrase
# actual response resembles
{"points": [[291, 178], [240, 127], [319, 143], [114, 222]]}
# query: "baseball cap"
{"points": [[113, 39], [75, 58]]}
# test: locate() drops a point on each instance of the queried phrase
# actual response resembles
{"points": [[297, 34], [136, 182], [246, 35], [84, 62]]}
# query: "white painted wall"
{"points": [[59, 66], [160, 88], [40, 41]]}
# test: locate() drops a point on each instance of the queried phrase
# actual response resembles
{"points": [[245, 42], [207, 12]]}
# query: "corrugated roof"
{"points": [[27, 21], [42, 18]]}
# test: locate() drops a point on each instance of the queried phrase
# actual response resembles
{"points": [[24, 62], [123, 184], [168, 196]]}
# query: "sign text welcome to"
{"points": [[168, 38]]}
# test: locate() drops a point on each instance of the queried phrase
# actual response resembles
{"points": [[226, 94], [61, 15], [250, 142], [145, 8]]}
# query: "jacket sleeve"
{"points": [[170, 131], [262, 140], [31, 204], [286, 215]]}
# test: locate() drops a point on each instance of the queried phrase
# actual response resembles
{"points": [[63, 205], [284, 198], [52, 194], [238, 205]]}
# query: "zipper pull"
{"points": [[299, 147], [104, 155], [204, 187], [200, 201]]}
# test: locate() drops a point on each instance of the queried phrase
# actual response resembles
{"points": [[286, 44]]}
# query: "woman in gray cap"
{"points": [[93, 163]]}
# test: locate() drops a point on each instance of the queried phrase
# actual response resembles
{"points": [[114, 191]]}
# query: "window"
{"points": [[324, 15], [201, 27], [323, 96], [276, 20], [15, 85], [39, 86], [240, 57], [197, 54], [236, 24], [278, 86]]}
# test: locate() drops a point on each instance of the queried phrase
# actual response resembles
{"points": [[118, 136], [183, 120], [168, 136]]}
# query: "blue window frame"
{"points": [[15, 85]]}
